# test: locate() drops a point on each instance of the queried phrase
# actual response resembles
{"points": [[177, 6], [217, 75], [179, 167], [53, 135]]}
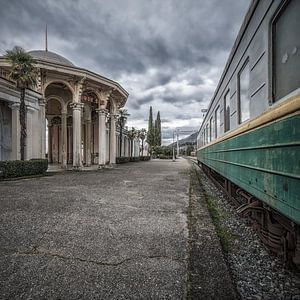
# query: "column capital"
{"points": [[114, 117], [102, 111], [76, 105], [104, 96], [42, 102], [30, 109], [14, 106]]}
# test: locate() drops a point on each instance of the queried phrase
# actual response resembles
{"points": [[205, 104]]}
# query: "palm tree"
{"points": [[142, 136], [131, 135], [24, 73], [122, 118]]}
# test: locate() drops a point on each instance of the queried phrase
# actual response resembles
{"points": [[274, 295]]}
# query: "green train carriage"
{"points": [[250, 137]]}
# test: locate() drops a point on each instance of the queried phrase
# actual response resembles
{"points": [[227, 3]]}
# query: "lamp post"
{"points": [[177, 143], [173, 147]]}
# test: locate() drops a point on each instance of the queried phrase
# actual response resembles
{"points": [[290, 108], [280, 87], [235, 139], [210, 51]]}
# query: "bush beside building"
{"points": [[19, 168]]}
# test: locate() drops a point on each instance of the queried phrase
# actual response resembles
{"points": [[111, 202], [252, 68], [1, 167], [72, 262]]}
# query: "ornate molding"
{"points": [[115, 117], [102, 111], [76, 105], [14, 106], [30, 109], [79, 88], [104, 96], [42, 102]]}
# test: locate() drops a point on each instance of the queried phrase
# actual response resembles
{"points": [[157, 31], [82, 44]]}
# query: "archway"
{"points": [[89, 128], [53, 116], [57, 95]]}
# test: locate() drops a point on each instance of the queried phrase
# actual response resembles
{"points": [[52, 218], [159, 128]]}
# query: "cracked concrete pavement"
{"points": [[111, 234]]}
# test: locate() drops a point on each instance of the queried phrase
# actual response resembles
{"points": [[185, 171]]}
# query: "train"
{"points": [[249, 140]]}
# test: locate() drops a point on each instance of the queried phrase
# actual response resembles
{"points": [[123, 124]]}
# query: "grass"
{"points": [[225, 236]]}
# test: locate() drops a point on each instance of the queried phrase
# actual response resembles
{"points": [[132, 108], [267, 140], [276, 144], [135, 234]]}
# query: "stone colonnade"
{"points": [[59, 135], [35, 127]]}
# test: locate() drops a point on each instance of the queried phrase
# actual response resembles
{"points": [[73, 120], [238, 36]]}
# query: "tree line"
{"points": [[154, 131]]}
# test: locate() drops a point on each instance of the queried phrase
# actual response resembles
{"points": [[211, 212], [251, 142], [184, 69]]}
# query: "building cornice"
{"points": [[73, 70]]}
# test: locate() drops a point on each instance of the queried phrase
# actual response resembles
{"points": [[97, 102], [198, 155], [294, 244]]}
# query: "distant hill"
{"points": [[190, 140]]}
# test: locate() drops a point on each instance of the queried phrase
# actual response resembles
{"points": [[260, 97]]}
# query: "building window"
{"points": [[243, 93], [286, 50], [226, 112], [217, 118]]}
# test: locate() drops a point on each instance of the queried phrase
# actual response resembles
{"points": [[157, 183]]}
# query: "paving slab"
{"points": [[109, 234]]}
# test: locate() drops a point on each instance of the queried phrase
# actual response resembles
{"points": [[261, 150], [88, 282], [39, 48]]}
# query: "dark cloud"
{"points": [[145, 100], [168, 54], [159, 79]]}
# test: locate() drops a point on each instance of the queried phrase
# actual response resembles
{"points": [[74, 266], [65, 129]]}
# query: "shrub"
{"points": [[137, 158], [165, 157], [20, 168], [162, 151], [144, 158], [122, 160]]}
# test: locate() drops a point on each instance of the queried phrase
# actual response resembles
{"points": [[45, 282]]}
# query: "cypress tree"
{"points": [[158, 130], [155, 134], [150, 135]]}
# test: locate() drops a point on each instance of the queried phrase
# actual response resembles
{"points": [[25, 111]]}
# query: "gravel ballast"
{"points": [[256, 273]]}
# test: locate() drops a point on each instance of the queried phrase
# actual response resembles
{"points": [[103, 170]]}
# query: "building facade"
{"points": [[71, 114]]}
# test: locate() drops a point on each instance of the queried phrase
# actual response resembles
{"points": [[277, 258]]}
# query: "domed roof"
{"points": [[51, 57]]}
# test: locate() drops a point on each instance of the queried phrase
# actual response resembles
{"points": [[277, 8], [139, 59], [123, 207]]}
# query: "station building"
{"points": [[71, 115]]}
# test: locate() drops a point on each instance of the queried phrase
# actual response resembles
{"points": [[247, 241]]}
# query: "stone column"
{"points": [[55, 142], [43, 128], [28, 147], [112, 140], [15, 129], [64, 139], [102, 138], [77, 163], [126, 154], [88, 142], [70, 149], [50, 142]]}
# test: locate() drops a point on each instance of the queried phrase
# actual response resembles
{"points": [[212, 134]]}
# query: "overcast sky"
{"points": [[166, 53]]}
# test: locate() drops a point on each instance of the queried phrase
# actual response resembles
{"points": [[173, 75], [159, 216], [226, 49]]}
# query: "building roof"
{"points": [[49, 56]]}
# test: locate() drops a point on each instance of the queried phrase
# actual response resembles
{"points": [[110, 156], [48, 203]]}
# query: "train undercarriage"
{"points": [[278, 233]]}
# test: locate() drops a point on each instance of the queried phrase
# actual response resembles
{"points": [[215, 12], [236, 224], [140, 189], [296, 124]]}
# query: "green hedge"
{"points": [[20, 168], [122, 160], [165, 157], [135, 158], [144, 158]]}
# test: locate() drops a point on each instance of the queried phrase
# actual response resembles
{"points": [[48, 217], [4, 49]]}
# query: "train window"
{"points": [[217, 123], [206, 134], [243, 93], [226, 112], [212, 128], [286, 50]]}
